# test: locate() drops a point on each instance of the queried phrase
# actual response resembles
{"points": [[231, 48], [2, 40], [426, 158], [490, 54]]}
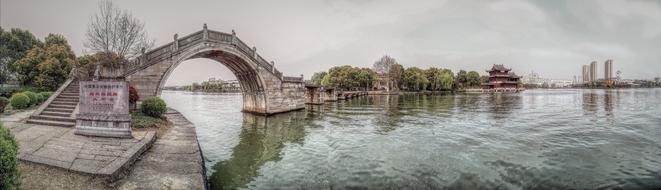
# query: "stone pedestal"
{"points": [[104, 109]]}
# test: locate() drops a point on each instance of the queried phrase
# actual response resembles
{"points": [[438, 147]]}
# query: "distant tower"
{"points": [[608, 70], [593, 71], [586, 73]]}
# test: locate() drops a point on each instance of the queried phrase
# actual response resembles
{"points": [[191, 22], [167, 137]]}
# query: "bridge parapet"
{"points": [[180, 45]]}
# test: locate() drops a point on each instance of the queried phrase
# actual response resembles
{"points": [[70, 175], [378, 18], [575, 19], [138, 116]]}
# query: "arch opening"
{"points": [[250, 82]]}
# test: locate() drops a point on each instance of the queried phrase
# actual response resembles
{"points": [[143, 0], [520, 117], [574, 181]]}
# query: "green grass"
{"points": [[139, 120]]}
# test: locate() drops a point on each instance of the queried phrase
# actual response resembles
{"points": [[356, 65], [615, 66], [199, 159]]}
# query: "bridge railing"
{"points": [[292, 79], [168, 50]]}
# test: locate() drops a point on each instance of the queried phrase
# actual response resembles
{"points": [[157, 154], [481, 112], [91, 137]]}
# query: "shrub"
{"points": [[19, 101], [3, 103], [32, 96], [153, 106], [133, 95], [45, 95], [9, 174], [39, 99], [139, 120]]}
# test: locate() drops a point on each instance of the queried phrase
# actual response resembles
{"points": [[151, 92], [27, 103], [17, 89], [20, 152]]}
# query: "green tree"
{"points": [[14, 45], [340, 77], [318, 77], [414, 79], [462, 79], [46, 67], [433, 75], [26, 67], [473, 79], [447, 79], [365, 77]]}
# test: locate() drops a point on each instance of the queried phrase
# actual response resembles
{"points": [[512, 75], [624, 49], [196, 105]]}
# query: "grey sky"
{"points": [[553, 37]]}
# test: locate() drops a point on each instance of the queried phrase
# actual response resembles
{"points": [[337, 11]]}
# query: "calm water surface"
{"points": [[595, 139]]}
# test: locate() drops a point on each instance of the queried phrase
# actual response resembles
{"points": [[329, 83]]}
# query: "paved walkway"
{"points": [[59, 147], [173, 162]]}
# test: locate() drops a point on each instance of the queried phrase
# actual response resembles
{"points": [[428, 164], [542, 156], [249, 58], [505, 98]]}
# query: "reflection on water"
{"points": [[262, 140], [539, 139]]}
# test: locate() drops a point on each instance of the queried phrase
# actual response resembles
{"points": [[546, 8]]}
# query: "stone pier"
{"points": [[313, 95], [329, 95]]}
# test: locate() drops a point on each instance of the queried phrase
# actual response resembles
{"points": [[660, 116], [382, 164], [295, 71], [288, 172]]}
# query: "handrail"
{"points": [[157, 54]]}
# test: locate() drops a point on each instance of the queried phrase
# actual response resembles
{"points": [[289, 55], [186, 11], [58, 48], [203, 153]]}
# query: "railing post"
{"points": [[273, 67], [176, 42], [254, 52], [233, 36], [205, 32], [301, 77]]}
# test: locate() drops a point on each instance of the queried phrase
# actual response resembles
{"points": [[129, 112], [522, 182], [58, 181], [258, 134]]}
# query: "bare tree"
{"points": [[117, 31], [383, 65]]}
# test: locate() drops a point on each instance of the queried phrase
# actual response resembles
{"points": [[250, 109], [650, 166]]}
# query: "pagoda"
{"points": [[501, 79]]}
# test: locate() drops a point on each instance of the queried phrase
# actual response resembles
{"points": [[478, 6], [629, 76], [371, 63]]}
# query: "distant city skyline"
{"points": [[554, 38]]}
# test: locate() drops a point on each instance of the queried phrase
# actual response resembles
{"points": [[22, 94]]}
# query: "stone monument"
{"points": [[104, 105], [104, 109]]}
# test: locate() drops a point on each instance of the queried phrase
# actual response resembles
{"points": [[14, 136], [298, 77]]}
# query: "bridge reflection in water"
{"points": [[261, 140]]}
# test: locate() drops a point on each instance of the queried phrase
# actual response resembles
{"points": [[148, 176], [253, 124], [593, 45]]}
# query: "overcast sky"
{"points": [[553, 37]]}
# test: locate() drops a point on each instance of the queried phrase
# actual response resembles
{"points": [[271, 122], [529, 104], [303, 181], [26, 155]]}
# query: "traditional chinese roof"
{"points": [[513, 75], [499, 68]]}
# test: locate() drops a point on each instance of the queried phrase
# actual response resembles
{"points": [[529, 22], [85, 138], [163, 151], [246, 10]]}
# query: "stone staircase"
{"points": [[59, 112]]}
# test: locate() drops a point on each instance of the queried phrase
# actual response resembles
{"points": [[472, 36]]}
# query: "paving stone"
{"points": [[87, 166], [56, 154], [105, 158], [47, 161], [85, 156]]}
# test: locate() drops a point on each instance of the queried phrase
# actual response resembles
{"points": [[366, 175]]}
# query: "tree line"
{"points": [[31, 62], [207, 86], [115, 35], [407, 79]]}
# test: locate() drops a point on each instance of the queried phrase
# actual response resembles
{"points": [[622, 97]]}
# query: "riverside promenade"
{"points": [[171, 161], [174, 161]]}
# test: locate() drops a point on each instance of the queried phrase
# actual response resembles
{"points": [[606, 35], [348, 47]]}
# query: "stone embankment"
{"points": [[174, 161]]}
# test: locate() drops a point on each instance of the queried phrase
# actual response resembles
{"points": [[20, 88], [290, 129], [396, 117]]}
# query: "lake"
{"points": [[595, 139]]}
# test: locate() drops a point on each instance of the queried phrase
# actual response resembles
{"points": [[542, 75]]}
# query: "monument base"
{"points": [[117, 126]]}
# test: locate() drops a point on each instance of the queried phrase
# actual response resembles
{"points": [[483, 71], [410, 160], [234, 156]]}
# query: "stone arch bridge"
{"points": [[265, 90]]}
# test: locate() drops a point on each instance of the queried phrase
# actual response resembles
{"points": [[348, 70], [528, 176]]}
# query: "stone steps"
{"points": [[70, 94], [65, 106], [58, 99], [56, 113], [51, 123], [59, 109], [54, 118]]}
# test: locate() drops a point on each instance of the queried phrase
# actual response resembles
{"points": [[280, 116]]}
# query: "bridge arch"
{"points": [[265, 90]]}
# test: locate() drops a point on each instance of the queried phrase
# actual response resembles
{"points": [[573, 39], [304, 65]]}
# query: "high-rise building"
{"points": [[593, 71], [586, 73], [608, 69]]}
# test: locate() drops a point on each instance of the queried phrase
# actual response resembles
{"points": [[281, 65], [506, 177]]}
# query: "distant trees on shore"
{"points": [[408, 79]]}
